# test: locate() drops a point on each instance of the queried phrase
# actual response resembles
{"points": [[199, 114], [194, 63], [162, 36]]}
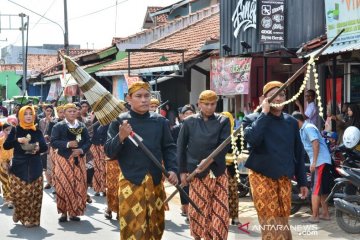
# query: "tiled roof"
{"points": [[160, 18], [76, 52], [190, 39], [37, 62]]}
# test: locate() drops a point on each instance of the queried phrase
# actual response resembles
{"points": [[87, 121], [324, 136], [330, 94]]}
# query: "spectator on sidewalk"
{"points": [[3, 110], [320, 168], [311, 113]]}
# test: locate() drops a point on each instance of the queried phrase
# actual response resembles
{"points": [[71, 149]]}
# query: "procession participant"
{"points": [[26, 182], [98, 140], [112, 188], [60, 116], [185, 111], [46, 161], [141, 192], [231, 164], [71, 141], [5, 158], [154, 104], [112, 185], [88, 119], [200, 135], [276, 155]]}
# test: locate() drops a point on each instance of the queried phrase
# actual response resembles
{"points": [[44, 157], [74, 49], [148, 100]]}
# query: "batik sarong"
{"points": [[4, 178], [141, 210], [211, 196], [27, 199], [233, 197], [112, 185], [272, 200], [99, 178], [70, 184]]}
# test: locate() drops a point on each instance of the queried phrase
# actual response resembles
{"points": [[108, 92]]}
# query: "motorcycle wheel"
{"points": [[344, 220], [243, 190]]}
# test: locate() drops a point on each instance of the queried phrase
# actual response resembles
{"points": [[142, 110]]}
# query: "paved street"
{"points": [[95, 226]]}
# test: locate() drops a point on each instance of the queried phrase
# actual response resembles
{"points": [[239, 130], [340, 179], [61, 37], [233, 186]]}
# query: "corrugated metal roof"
{"points": [[337, 48]]}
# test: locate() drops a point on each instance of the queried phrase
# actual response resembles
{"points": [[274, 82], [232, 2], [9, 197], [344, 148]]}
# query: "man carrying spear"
{"points": [[276, 155], [141, 192], [200, 134]]}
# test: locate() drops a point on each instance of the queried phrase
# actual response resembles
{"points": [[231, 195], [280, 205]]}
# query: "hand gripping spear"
{"points": [[137, 141], [205, 163]]}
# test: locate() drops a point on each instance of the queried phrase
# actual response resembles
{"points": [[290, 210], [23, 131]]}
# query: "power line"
{"points": [[38, 14], [43, 14], [106, 8]]}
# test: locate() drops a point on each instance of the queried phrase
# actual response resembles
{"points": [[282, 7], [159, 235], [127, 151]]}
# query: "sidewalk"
{"points": [[247, 215]]}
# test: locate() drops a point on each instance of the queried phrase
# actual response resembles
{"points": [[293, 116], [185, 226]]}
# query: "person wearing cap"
{"points": [[154, 104], [71, 141], [320, 168], [5, 158], [199, 136], [276, 156], [185, 111], [141, 191], [26, 181]]}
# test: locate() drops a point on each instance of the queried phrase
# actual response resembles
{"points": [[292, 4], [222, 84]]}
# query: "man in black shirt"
{"points": [[276, 155], [200, 135], [141, 194]]}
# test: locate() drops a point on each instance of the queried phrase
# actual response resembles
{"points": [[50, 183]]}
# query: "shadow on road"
{"points": [[82, 227], [22, 232], [176, 229]]}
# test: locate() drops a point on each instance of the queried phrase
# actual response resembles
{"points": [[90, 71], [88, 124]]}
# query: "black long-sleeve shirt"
{"points": [[100, 135], [60, 136], [198, 138], [134, 163], [275, 146], [27, 167]]}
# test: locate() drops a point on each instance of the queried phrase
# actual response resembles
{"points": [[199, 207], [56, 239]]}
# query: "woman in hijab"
{"points": [[5, 158], [26, 182]]}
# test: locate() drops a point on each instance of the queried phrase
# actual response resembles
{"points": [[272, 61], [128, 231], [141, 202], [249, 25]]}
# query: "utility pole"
{"points": [[23, 26], [66, 33]]}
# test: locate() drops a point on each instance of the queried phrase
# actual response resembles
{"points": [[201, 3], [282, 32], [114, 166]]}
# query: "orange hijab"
{"points": [[22, 122]]}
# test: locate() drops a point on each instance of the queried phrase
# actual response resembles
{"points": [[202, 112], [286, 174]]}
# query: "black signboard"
{"points": [[271, 21]]}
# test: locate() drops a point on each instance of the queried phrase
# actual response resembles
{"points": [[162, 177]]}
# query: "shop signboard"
{"points": [[244, 16], [230, 75], [343, 14], [271, 21]]}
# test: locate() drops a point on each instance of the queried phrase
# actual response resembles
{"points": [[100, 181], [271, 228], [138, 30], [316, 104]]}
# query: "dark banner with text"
{"points": [[271, 21]]}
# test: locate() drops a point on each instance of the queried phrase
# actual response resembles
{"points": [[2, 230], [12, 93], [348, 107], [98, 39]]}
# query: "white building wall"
{"points": [[198, 84]]}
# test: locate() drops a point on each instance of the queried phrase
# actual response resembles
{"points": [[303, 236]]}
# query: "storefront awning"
{"points": [[337, 48]]}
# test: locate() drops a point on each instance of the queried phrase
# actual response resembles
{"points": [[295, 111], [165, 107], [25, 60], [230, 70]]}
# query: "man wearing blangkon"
{"points": [[276, 155]]}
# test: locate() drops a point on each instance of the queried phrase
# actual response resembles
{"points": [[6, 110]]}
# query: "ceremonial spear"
{"points": [[210, 159], [107, 108]]}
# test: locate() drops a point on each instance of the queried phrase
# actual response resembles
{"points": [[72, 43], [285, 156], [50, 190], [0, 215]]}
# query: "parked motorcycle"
{"points": [[347, 209]]}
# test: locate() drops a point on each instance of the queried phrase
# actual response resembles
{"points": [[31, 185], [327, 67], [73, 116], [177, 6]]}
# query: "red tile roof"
{"points": [[160, 18], [37, 62], [190, 38]]}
